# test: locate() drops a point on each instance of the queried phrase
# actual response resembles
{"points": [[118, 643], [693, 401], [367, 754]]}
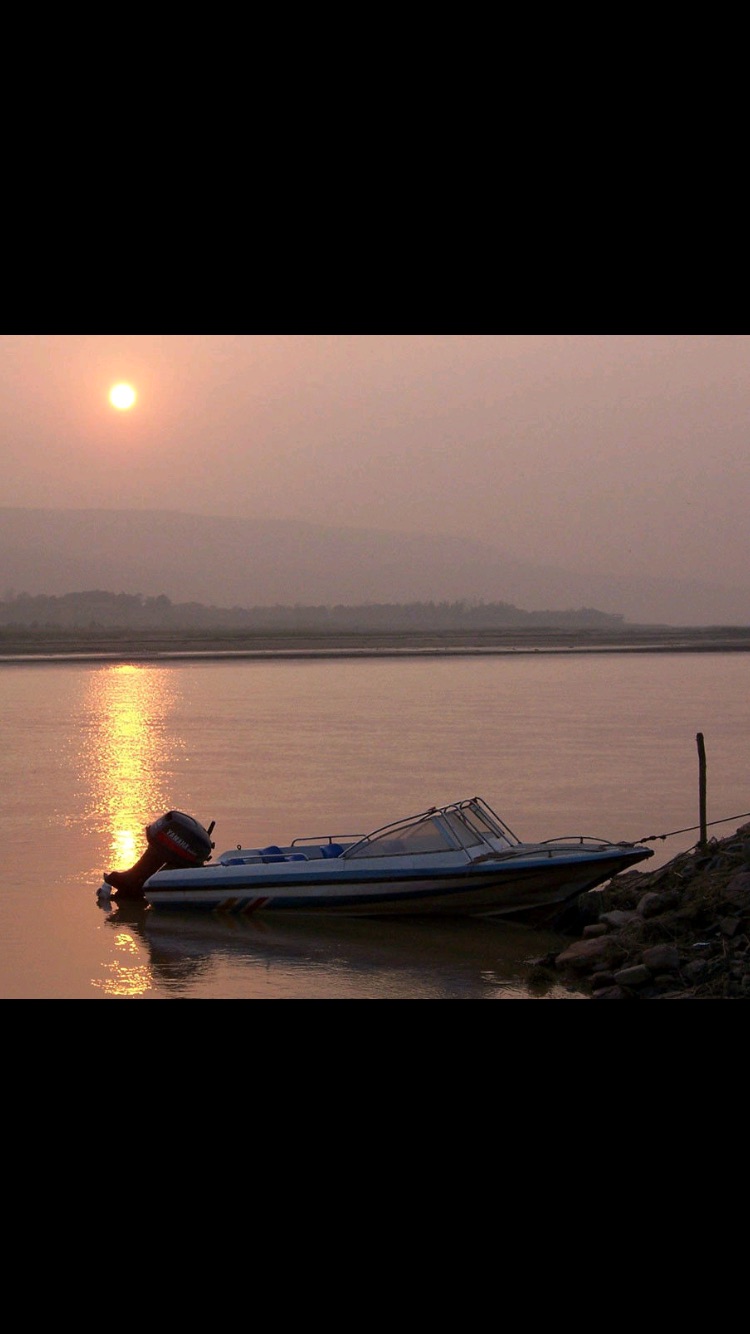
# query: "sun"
{"points": [[122, 396]]}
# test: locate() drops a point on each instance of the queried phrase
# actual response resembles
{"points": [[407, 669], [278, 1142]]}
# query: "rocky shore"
{"points": [[679, 933]]}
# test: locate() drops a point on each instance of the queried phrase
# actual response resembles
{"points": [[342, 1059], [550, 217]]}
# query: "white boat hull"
{"points": [[533, 882]]}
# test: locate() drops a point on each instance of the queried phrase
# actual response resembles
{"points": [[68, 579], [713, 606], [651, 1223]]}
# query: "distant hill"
{"points": [[250, 563]]}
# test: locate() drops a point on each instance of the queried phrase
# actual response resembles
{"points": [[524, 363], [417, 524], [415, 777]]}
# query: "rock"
{"points": [[662, 958], [738, 889], [618, 917], [587, 955], [637, 976], [680, 933], [652, 904], [602, 979]]}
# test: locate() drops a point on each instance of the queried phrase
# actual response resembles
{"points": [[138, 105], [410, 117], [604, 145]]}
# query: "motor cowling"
{"points": [[180, 838], [174, 841]]}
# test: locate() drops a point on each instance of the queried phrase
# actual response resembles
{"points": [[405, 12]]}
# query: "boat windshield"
{"points": [[424, 836], [462, 829], [457, 827]]}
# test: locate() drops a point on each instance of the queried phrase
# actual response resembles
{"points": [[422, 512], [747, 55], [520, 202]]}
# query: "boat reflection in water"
{"points": [[336, 958], [171, 971]]}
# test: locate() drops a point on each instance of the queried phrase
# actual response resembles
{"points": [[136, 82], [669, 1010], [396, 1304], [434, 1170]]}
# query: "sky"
{"points": [[627, 453]]}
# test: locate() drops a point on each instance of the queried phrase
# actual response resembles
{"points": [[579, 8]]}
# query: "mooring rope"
{"points": [[650, 838]]}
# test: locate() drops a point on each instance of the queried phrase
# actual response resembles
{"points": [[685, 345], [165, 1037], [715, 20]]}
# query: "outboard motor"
{"points": [[174, 841]]}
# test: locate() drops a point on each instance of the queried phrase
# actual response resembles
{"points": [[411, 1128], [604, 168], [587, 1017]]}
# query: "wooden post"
{"points": [[702, 788]]}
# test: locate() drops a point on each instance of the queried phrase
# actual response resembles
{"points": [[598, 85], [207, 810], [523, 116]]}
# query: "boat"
{"points": [[459, 859]]}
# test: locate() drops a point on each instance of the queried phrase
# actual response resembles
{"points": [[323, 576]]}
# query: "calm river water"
{"points": [[601, 744]]}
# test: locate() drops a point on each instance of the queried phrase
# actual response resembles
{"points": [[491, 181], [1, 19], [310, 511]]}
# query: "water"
{"points": [[598, 744]]}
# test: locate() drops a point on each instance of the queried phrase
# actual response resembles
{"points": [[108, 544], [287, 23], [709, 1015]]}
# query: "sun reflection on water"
{"points": [[128, 974], [126, 769], [128, 755]]}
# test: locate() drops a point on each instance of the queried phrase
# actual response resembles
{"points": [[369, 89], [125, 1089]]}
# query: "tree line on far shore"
{"points": [[97, 609]]}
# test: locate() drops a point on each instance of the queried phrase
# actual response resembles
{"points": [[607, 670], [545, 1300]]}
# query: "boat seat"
{"points": [[272, 854], [331, 850]]}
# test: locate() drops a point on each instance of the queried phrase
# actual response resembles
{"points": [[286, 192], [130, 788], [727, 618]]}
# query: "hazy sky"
{"points": [[628, 452]]}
